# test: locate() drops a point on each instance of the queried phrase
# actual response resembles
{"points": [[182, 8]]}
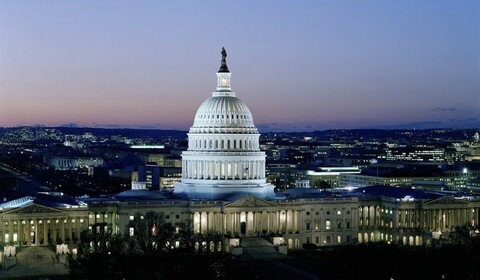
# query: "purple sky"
{"points": [[299, 65]]}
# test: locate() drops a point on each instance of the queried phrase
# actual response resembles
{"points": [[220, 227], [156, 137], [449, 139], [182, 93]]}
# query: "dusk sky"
{"points": [[298, 65]]}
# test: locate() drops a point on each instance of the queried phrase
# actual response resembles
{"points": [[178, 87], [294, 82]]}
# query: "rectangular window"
{"points": [[317, 239], [132, 218], [339, 225], [15, 237], [339, 212], [131, 231], [348, 225], [177, 216], [308, 213], [328, 240], [308, 226], [339, 239], [7, 238], [328, 224]]}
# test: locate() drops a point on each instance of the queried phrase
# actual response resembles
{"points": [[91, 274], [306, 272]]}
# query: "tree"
{"points": [[156, 250]]}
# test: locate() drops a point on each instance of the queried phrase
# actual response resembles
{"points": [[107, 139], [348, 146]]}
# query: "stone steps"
{"points": [[259, 248], [35, 261]]}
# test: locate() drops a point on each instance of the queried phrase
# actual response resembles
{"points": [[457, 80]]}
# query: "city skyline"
{"points": [[299, 67]]}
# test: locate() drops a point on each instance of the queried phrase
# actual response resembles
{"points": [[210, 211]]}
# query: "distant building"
{"points": [[74, 163]]}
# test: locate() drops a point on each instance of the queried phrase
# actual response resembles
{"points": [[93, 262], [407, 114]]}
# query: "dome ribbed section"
{"points": [[223, 114]]}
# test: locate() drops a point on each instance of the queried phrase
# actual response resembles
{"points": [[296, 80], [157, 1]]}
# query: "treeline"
{"points": [[150, 249]]}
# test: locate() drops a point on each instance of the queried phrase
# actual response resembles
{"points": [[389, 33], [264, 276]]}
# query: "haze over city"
{"points": [[300, 66]]}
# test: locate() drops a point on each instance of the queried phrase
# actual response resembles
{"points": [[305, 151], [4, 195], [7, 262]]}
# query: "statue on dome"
{"points": [[224, 55], [224, 67]]}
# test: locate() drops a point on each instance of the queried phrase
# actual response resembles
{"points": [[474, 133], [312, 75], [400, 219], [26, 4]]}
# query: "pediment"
{"points": [[250, 201], [32, 209], [446, 200]]}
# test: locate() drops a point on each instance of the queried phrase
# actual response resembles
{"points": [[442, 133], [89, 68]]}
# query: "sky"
{"points": [[298, 65]]}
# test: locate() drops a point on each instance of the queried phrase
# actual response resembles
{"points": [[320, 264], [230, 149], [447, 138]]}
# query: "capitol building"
{"points": [[224, 189]]}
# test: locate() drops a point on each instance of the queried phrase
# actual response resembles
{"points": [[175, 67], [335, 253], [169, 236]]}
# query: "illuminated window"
{"points": [[15, 237], [339, 239], [31, 222], [339, 212], [81, 220], [132, 218], [105, 216], [328, 224], [7, 238], [97, 216], [131, 231]]}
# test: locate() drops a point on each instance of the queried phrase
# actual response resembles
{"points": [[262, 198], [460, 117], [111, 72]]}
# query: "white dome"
{"points": [[223, 113], [223, 156]]}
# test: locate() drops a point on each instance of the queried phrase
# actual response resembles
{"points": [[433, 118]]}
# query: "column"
{"points": [[37, 232], [45, 232], [10, 231], [62, 229]]}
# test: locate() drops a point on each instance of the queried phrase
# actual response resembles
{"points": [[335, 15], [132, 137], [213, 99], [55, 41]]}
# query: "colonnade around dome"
{"points": [[224, 142], [218, 169]]}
